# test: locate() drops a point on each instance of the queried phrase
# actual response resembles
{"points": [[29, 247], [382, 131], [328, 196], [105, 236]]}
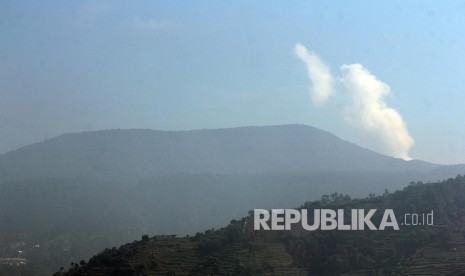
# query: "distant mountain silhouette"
{"points": [[131, 155]]}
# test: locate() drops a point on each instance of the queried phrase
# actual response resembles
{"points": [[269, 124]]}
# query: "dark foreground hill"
{"points": [[237, 249], [131, 155]]}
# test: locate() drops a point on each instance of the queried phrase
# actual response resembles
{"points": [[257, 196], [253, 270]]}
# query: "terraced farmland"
{"points": [[237, 249]]}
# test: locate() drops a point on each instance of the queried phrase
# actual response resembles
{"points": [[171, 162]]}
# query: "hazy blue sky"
{"points": [[71, 66]]}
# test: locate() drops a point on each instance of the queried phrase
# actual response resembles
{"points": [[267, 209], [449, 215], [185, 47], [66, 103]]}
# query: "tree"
{"points": [[325, 200]]}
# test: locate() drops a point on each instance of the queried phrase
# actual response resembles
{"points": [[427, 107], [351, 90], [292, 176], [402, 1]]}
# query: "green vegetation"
{"points": [[239, 250], [72, 218]]}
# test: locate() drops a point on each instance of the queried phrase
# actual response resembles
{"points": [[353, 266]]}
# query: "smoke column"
{"points": [[318, 73], [364, 108]]}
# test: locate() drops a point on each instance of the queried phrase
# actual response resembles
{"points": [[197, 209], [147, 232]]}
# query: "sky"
{"points": [[394, 69]]}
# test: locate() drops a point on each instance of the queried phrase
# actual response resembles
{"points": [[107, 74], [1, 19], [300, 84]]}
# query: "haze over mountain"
{"points": [[79, 193], [131, 155]]}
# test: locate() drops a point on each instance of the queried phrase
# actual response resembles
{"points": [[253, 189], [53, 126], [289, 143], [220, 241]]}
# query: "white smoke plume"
{"points": [[365, 107], [318, 73]]}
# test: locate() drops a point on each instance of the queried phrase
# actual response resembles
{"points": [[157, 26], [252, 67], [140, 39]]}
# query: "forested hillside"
{"points": [[237, 249]]}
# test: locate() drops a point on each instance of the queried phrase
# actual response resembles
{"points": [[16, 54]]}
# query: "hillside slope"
{"points": [[131, 155], [239, 250]]}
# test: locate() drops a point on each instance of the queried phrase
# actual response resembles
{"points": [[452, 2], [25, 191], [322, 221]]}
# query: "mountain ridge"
{"points": [[136, 154], [77, 193]]}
